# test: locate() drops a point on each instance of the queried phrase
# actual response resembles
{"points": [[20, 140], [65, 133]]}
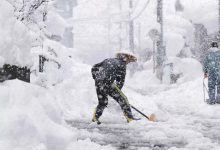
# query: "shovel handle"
{"points": [[126, 100], [140, 112]]}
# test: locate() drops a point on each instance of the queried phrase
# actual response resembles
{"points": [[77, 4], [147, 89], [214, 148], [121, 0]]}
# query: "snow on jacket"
{"points": [[109, 71], [212, 61]]}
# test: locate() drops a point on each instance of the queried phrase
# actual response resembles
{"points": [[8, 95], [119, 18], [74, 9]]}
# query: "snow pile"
{"points": [[57, 28], [16, 39], [31, 118], [186, 117], [20, 39], [190, 68], [59, 61]]}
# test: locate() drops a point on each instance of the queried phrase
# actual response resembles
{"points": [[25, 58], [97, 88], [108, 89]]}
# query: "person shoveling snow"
{"points": [[108, 75]]}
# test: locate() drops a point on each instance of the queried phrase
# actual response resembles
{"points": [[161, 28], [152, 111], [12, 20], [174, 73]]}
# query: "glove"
{"points": [[93, 75], [205, 75]]}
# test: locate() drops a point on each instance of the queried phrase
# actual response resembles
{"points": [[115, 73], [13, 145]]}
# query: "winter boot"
{"points": [[210, 102], [129, 117], [95, 118], [218, 99]]}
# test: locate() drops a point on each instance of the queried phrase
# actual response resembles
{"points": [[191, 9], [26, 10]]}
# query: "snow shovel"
{"points": [[204, 90], [152, 116]]}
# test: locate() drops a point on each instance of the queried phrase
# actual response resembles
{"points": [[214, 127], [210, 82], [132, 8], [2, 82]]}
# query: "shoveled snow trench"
{"points": [[122, 136]]}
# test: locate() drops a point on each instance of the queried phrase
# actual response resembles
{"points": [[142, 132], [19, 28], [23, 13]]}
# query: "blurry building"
{"points": [[65, 9], [200, 38]]}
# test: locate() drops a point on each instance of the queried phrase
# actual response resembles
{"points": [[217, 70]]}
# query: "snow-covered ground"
{"points": [[54, 112], [33, 117]]}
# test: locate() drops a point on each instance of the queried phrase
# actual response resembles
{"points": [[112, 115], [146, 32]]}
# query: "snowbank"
{"points": [[190, 68], [31, 118], [57, 28], [16, 39]]}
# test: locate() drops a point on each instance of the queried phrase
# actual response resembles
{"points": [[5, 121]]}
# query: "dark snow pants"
{"points": [[103, 91], [213, 84]]}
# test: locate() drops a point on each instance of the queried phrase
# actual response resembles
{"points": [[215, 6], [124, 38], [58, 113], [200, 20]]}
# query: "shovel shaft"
{"points": [[126, 100], [139, 112]]}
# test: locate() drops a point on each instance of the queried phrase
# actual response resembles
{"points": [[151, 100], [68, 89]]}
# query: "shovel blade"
{"points": [[152, 118]]}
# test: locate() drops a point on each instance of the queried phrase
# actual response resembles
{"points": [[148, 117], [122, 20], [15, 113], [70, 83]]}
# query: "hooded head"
{"points": [[214, 47], [214, 44], [126, 56]]}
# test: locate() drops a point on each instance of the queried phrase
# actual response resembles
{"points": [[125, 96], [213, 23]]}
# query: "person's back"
{"points": [[109, 70], [217, 60], [212, 60]]}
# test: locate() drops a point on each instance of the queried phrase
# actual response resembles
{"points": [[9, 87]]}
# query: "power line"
{"points": [[138, 15]]}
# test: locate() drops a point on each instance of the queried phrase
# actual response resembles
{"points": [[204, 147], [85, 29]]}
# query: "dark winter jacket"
{"points": [[109, 71], [212, 61]]}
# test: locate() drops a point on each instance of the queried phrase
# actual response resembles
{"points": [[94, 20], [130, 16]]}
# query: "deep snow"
{"points": [[33, 117], [54, 111]]}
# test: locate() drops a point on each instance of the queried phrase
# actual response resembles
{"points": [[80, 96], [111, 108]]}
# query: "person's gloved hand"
{"points": [[93, 75], [205, 75]]}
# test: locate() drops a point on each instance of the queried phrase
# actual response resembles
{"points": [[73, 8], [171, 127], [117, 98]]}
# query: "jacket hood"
{"points": [[126, 56]]}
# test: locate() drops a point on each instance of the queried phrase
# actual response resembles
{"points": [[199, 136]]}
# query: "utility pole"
{"points": [[154, 52], [131, 27], [219, 17], [109, 29], [161, 28], [160, 44], [155, 37], [139, 36], [120, 26]]}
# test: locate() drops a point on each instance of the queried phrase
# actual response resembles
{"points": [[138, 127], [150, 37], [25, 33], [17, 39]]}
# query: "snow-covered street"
{"points": [[63, 114], [186, 124], [122, 136]]}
